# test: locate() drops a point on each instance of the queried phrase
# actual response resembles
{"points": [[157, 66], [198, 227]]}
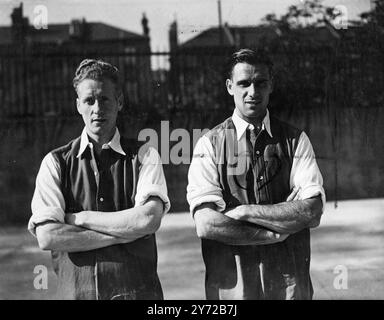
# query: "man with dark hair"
{"points": [[98, 201], [254, 191]]}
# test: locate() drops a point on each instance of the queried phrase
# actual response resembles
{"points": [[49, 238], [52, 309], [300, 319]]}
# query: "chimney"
{"points": [[78, 29], [228, 35], [220, 23], [144, 23], [173, 40], [19, 24]]}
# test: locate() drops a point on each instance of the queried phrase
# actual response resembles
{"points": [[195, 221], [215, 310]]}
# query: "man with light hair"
{"points": [[254, 191], [98, 201]]}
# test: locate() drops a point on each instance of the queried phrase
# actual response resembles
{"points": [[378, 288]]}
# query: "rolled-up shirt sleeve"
{"points": [[203, 179], [48, 201], [151, 180], [305, 173]]}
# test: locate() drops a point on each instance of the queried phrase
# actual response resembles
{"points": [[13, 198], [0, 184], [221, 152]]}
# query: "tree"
{"points": [[376, 15], [310, 13]]}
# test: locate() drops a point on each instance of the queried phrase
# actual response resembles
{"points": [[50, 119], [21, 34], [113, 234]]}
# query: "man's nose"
{"points": [[96, 106], [252, 90]]}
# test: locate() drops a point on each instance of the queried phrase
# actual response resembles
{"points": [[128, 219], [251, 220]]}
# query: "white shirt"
{"points": [[48, 202], [203, 178]]}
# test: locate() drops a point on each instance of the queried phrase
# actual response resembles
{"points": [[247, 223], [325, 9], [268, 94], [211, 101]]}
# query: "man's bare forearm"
{"points": [[286, 217], [214, 225], [130, 224], [65, 237]]}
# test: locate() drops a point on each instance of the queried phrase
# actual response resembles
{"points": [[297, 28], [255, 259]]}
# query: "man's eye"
{"points": [[89, 101], [262, 84], [244, 84]]}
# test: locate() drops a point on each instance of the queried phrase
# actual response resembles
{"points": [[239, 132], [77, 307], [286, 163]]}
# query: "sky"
{"points": [[192, 16]]}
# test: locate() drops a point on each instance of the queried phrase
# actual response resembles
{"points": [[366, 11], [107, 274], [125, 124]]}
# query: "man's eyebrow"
{"points": [[243, 81], [87, 97]]}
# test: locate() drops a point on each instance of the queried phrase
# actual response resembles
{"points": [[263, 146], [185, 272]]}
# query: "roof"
{"points": [[231, 35], [251, 36], [61, 33]]}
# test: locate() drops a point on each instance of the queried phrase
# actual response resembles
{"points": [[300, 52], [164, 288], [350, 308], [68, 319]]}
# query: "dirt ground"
{"points": [[347, 256]]}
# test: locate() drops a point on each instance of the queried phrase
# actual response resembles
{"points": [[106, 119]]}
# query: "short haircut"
{"points": [[253, 57], [96, 70]]}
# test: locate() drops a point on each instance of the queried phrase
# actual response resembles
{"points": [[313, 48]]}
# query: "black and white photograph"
{"points": [[191, 150]]}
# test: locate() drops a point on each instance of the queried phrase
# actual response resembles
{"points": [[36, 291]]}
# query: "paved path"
{"points": [[350, 239]]}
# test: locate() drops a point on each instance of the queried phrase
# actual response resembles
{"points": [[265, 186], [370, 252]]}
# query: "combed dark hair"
{"points": [[96, 70], [250, 56]]}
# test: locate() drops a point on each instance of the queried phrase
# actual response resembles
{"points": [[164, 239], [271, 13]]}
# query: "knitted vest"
{"points": [[274, 271], [121, 271]]}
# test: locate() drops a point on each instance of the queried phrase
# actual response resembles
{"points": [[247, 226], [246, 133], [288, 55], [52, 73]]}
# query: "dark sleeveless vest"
{"points": [[274, 271], [122, 271]]}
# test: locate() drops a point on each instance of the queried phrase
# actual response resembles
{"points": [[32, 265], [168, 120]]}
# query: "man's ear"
{"points": [[78, 105], [120, 101], [271, 85], [229, 84]]}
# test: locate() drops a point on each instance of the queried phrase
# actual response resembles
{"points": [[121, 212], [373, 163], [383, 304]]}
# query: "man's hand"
{"points": [[73, 219]]}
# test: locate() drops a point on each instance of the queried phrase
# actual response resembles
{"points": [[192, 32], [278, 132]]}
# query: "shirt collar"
{"points": [[241, 125], [114, 144]]}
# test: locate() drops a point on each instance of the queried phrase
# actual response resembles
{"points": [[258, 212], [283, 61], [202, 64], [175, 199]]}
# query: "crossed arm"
{"points": [[59, 236], [285, 217], [89, 230], [254, 224], [214, 225], [258, 224]]}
